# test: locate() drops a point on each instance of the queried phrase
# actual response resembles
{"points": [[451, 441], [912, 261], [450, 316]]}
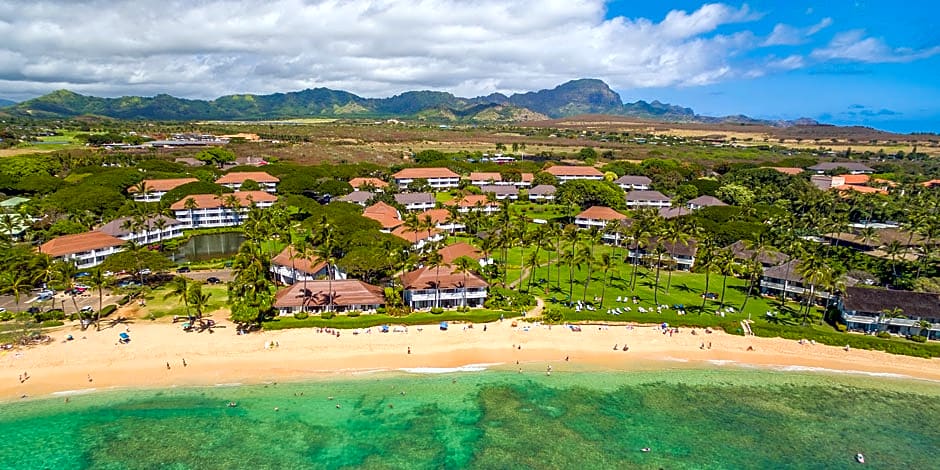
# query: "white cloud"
{"points": [[786, 35], [375, 48], [855, 46]]}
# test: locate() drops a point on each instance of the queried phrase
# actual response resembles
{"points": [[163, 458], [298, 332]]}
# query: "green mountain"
{"points": [[4, 103], [585, 96]]}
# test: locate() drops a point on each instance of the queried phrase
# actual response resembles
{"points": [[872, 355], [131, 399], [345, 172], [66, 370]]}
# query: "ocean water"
{"points": [[712, 417]]}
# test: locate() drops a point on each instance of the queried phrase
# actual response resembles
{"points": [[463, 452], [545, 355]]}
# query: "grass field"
{"points": [[366, 321], [158, 305]]}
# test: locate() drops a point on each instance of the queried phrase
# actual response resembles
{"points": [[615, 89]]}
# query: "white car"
{"points": [[145, 271]]}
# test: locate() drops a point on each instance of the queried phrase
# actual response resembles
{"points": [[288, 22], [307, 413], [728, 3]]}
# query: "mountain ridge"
{"points": [[575, 97]]}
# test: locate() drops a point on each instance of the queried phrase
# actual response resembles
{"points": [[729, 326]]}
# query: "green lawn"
{"points": [[158, 305], [366, 321], [443, 197]]}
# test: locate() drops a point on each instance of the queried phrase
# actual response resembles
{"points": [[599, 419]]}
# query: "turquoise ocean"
{"points": [[695, 418]]}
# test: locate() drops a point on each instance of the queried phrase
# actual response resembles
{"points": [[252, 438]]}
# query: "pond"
{"points": [[208, 246]]}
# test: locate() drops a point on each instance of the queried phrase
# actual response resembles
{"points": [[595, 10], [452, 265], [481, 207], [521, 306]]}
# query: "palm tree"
{"points": [[325, 252], [815, 271], [705, 259], [14, 281], [894, 250], [191, 206], [465, 265], [179, 287], [660, 251], [98, 280], [587, 258], [65, 272], [726, 266], [435, 260], [606, 263], [752, 271], [675, 234], [924, 326], [198, 298]]}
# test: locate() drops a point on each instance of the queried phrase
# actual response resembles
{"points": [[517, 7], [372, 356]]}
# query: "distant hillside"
{"points": [[4, 103], [577, 97]]}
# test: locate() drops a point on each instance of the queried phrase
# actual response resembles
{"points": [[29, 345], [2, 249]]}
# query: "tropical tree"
{"points": [[179, 288], [705, 261], [15, 282], [98, 280], [65, 272], [465, 265], [816, 272], [605, 264], [435, 261], [675, 234], [724, 261], [198, 298]]}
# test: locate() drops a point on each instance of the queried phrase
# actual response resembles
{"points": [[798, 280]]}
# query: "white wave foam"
{"points": [[675, 359], [229, 384], [82, 391], [722, 362], [445, 370], [838, 371]]}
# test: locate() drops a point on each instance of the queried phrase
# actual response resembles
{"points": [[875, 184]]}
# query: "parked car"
{"points": [[33, 310], [87, 309], [44, 296], [145, 271], [183, 269], [82, 274], [213, 280]]}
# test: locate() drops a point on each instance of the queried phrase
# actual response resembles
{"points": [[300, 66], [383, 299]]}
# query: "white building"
{"points": [[437, 178], [494, 178], [86, 250], [289, 267], [235, 179], [633, 183], [443, 287], [153, 190], [570, 173], [415, 201], [151, 230], [542, 193], [600, 217], [208, 210], [637, 199], [501, 191]]}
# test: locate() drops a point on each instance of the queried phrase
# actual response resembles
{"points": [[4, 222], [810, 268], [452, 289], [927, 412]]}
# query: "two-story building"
{"points": [[900, 312], [496, 179], [153, 190], [289, 267], [450, 253], [419, 239], [633, 183], [444, 287], [151, 230], [437, 178], [441, 219], [680, 256], [386, 215], [415, 201], [542, 193], [336, 296], [356, 197], [235, 179], [209, 210], [767, 258], [474, 203], [600, 217], [566, 173], [85, 250], [786, 280], [638, 199], [704, 201], [501, 191]]}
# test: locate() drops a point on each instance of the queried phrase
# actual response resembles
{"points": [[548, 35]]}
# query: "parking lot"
{"points": [[60, 300]]}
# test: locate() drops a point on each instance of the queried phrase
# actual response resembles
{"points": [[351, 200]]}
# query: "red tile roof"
{"points": [[415, 173], [452, 252], [486, 176], [383, 214], [209, 201], [449, 278], [346, 292], [438, 216], [374, 182], [471, 200], [288, 258], [856, 179], [162, 185], [601, 213], [563, 170], [413, 237], [240, 176], [78, 243]]}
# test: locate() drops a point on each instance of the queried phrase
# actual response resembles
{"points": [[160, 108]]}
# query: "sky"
{"points": [[864, 62]]}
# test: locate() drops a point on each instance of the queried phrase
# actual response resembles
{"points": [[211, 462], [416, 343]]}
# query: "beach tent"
{"points": [[443, 326], [384, 328]]}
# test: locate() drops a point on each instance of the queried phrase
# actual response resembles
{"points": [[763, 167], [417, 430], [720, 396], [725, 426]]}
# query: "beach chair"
{"points": [[124, 338]]}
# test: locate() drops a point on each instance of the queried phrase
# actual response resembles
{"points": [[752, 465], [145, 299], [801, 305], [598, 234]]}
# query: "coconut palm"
{"points": [[465, 265], [15, 281], [435, 261], [815, 271], [198, 298], [605, 264], [705, 260], [98, 280], [325, 252], [179, 288], [65, 272], [674, 233], [724, 261]]}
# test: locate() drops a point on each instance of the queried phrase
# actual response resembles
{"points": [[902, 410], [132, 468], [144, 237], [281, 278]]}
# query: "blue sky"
{"points": [[862, 62], [885, 86]]}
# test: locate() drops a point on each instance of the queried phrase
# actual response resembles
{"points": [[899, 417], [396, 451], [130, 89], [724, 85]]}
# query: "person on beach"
{"points": [[184, 362], [168, 365], [409, 349]]}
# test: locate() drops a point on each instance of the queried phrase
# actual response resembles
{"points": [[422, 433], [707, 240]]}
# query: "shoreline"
{"points": [[154, 357]]}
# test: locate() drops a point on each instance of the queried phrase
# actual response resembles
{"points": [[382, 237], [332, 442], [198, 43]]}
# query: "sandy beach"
{"points": [[155, 355]]}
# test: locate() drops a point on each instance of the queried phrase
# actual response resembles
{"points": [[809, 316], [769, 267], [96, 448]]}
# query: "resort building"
{"points": [[843, 183], [900, 312], [368, 184], [704, 201], [637, 199], [415, 201], [875, 242], [86, 250], [673, 212], [315, 297], [786, 170], [542, 193], [474, 203], [386, 215], [601, 217], [208, 210], [418, 239], [633, 183], [153, 190], [680, 256], [442, 220], [786, 280], [767, 258], [151, 230], [356, 197], [289, 267], [444, 287], [494, 178], [437, 178], [570, 173], [235, 179], [853, 167], [501, 192]]}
